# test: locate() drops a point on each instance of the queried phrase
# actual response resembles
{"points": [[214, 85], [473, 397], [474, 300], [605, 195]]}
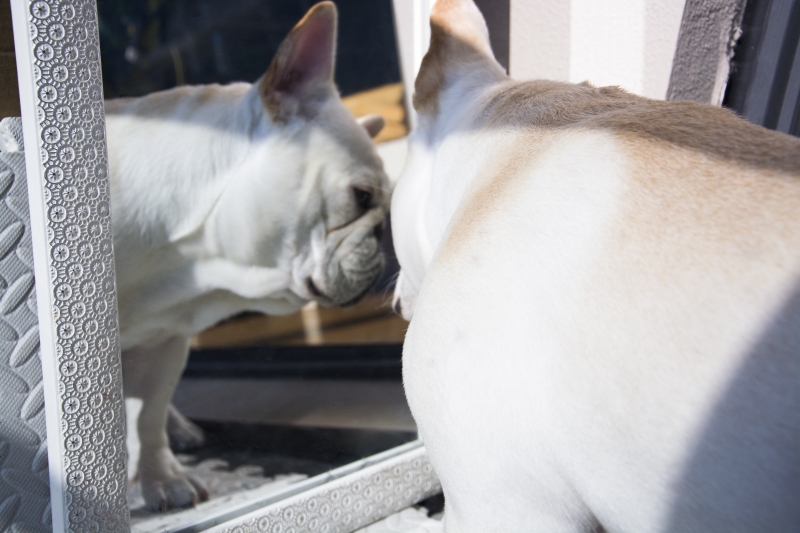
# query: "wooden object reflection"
{"points": [[370, 321], [386, 101]]}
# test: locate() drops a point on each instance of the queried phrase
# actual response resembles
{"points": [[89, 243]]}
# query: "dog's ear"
{"points": [[301, 73], [372, 123], [459, 46]]}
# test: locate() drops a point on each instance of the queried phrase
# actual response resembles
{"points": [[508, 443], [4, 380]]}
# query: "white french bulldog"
{"points": [[605, 293], [224, 199]]}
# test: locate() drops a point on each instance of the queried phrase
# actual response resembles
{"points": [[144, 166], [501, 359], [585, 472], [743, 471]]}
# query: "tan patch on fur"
{"points": [[692, 160], [687, 220], [713, 131], [704, 203], [695, 174], [458, 38], [495, 188]]}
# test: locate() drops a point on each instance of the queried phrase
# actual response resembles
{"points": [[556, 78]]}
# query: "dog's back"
{"points": [[608, 334]]}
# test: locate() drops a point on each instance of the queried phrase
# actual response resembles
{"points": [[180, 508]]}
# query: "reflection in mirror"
{"points": [[244, 217]]}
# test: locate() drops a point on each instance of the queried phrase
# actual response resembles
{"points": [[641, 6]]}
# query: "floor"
{"points": [[264, 435], [256, 457]]}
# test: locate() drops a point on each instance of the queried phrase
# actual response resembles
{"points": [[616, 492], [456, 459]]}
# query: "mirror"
{"points": [[231, 208], [336, 449]]}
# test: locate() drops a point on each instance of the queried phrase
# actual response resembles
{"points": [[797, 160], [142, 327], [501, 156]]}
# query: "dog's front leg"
{"points": [[250, 282], [184, 435], [151, 372]]}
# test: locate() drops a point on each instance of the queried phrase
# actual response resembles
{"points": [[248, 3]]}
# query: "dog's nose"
{"points": [[378, 231], [398, 307]]}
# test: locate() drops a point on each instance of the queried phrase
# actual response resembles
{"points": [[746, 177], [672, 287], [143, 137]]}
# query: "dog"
{"points": [[604, 295], [257, 197]]}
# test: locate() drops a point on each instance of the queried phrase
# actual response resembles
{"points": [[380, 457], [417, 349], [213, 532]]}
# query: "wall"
{"points": [[629, 43]]}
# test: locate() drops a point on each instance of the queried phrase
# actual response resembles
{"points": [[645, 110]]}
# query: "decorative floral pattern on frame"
{"points": [[68, 85], [345, 505]]}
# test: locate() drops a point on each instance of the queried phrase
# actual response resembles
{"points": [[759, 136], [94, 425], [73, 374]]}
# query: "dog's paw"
{"points": [[176, 492], [165, 484], [184, 435]]}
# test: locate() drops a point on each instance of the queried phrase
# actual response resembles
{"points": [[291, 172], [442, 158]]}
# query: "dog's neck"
{"points": [[176, 150], [417, 233]]}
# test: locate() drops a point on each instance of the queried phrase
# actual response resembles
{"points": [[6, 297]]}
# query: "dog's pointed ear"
{"points": [[301, 73], [459, 45], [372, 123]]}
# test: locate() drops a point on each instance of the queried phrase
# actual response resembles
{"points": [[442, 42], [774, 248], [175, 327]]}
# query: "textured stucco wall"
{"points": [[539, 39], [708, 34], [629, 43]]}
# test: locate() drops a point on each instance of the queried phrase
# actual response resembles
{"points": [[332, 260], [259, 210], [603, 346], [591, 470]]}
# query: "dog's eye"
{"points": [[363, 198]]}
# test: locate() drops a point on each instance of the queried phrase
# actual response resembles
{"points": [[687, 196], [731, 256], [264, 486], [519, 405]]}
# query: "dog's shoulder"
{"points": [[711, 131], [549, 137]]}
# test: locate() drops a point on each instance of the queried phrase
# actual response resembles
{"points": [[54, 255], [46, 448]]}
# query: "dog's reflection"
{"points": [[244, 197]]}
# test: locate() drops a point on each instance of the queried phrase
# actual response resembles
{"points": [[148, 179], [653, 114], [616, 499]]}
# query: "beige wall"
{"points": [[539, 39], [629, 43]]}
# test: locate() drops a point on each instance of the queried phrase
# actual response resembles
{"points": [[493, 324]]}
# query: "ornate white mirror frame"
{"points": [[61, 96]]}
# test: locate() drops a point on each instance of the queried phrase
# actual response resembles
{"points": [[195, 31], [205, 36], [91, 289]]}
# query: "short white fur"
{"points": [[230, 199], [565, 379]]}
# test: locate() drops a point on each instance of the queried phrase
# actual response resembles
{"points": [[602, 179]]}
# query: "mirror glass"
{"points": [[233, 208]]}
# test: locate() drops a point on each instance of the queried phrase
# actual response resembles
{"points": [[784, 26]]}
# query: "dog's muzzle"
{"points": [[352, 268]]}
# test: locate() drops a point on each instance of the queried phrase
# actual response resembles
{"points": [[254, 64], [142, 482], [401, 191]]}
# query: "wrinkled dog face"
{"points": [[331, 195], [344, 195], [345, 258], [321, 204]]}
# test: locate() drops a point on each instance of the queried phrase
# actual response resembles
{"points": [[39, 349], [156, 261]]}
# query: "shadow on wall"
{"points": [[740, 461]]}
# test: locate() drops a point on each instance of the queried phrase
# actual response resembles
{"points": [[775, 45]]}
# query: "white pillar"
{"points": [[413, 30], [629, 43]]}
